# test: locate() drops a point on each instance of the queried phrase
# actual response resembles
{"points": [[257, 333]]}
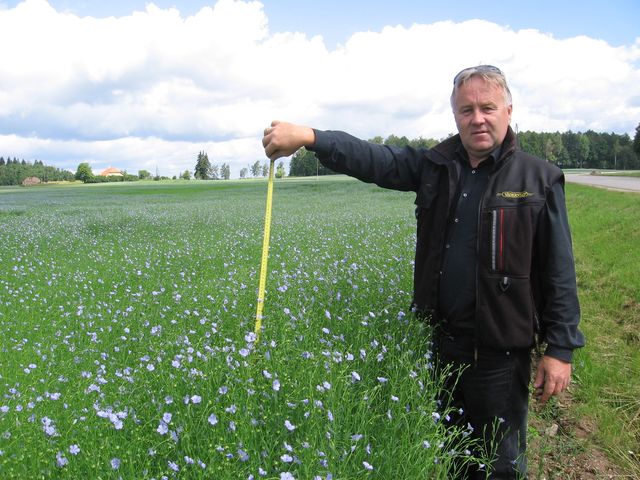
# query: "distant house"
{"points": [[111, 172], [30, 181]]}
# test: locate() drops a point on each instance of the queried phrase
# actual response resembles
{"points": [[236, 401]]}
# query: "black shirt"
{"points": [[457, 291]]}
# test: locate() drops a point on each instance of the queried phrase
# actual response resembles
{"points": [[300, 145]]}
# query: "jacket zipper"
{"points": [[501, 242], [497, 240], [478, 241]]}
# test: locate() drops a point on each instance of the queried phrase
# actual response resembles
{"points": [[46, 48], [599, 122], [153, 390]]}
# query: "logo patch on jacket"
{"points": [[515, 194]]}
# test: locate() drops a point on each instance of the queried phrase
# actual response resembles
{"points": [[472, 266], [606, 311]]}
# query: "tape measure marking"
{"points": [[265, 254]]}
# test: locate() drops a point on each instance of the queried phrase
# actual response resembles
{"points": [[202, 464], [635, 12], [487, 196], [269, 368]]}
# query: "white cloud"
{"points": [[154, 88], [168, 158]]}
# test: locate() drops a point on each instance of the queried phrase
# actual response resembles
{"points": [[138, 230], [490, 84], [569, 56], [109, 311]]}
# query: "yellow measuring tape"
{"points": [[265, 253]]}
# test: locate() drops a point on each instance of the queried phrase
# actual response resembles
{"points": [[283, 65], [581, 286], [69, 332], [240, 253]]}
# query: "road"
{"points": [[615, 183]]}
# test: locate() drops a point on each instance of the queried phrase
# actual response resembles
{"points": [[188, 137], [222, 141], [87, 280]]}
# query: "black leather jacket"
{"points": [[525, 274]]}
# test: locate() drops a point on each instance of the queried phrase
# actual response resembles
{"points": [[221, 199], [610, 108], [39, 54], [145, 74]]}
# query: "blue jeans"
{"points": [[491, 393]]}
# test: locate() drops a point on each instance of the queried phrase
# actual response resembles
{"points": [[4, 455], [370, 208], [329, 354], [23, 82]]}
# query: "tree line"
{"points": [[585, 150], [567, 150], [205, 170], [258, 169], [14, 172], [592, 150]]}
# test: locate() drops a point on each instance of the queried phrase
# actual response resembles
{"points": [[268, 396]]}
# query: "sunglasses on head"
{"points": [[478, 69]]}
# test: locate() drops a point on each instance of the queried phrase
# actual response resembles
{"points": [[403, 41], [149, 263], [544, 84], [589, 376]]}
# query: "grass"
{"points": [[127, 312], [127, 350], [607, 235], [602, 414]]}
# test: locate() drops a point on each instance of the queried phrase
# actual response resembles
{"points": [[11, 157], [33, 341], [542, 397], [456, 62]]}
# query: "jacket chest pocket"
{"points": [[508, 233]]}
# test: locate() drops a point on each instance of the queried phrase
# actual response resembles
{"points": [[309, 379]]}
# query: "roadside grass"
{"points": [[610, 173], [605, 401], [607, 228], [621, 173]]}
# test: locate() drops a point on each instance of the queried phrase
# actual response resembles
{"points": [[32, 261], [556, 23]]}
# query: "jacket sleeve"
{"points": [[561, 311], [388, 167]]}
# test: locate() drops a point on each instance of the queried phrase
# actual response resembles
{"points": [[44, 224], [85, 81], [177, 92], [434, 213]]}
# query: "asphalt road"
{"points": [[615, 183]]}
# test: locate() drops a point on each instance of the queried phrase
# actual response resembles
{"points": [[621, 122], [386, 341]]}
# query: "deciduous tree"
{"points": [[225, 171], [255, 169], [304, 164], [215, 172], [84, 173]]}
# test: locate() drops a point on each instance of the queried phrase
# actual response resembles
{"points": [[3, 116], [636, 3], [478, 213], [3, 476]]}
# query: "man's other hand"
{"points": [[552, 377]]}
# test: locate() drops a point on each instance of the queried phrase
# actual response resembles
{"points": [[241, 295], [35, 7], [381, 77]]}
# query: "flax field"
{"points": [[127, 345]]}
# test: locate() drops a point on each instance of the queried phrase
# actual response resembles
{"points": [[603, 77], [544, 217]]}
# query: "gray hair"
{"points": [[489, 74]]}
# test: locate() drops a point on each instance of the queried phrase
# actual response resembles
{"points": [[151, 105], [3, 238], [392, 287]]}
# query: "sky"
{"points": [[145, 85]]}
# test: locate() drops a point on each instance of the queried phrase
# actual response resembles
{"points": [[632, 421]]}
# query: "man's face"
{"points": [[482, 117]]}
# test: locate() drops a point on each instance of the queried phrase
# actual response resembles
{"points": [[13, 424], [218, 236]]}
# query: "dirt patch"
{"points": [[563, 448]]}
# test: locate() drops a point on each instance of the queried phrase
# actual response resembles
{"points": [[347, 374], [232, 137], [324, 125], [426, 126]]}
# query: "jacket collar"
{"points": [[447, 148]]}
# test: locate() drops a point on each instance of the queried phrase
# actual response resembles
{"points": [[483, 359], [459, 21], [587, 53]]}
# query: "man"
{"points": [[494, 267]]}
